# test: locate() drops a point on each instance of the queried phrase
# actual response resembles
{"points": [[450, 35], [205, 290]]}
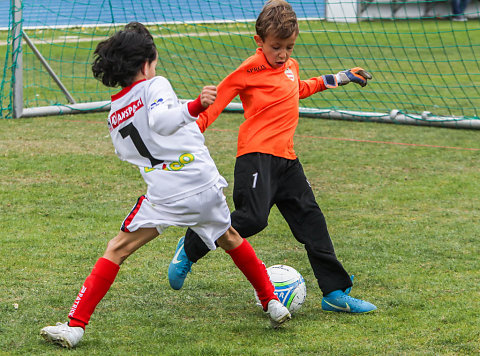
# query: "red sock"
{"points": [[93, 290], [247, 261]]}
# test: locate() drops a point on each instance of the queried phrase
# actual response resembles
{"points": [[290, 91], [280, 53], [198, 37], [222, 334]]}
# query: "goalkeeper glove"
{"points": [[356, 75]]}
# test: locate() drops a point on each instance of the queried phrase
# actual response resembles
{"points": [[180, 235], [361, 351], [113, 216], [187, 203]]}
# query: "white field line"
{"points": [[154, 23], [75, 39]]}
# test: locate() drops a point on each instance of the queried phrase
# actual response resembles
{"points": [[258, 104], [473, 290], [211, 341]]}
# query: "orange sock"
{"points": [[93, 290], [247, 261]]}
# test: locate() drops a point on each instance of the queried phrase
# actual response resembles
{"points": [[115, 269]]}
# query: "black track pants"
{"points": [[262, 180]]}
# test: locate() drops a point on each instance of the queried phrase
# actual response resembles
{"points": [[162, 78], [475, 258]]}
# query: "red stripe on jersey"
{"points": [[132, 214], [125, 90]]}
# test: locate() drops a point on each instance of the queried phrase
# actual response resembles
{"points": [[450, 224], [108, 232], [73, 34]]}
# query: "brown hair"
{"points": [[278, 19]]}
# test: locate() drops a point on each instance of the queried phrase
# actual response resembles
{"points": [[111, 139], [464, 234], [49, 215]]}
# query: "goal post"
{"points": [[426, 67], [20, 37]]}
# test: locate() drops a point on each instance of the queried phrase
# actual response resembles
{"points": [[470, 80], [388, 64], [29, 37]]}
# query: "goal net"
{"points": [[425, 63]]}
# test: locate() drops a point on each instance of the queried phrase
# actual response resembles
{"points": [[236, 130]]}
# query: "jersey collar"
{"points": [[125, 90]]}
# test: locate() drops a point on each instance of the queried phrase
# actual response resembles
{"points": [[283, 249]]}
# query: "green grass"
{"points": [[403, 218]]}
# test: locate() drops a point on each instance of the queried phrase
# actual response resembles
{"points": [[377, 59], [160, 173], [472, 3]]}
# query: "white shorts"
{"points": [[206, 213]]}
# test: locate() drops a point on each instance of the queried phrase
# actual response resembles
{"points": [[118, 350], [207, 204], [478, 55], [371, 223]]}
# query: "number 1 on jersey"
{"points": [[131, 130]]}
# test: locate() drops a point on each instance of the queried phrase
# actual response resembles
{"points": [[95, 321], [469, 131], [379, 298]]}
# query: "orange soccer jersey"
{"points": [[270, 99]]}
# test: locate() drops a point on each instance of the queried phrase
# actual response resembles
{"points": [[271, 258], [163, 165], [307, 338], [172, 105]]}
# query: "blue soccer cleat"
{"points": [[349, 289], [340, 301], [179, 266]]}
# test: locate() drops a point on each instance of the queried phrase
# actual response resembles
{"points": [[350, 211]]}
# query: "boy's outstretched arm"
{"points": [[226, 91], [329, 81]]}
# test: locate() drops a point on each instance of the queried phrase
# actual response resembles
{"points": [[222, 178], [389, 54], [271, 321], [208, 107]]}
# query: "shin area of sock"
{"points": [[254, 269], [94, 288]]}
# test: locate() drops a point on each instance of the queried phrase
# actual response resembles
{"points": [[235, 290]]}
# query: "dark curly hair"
{"points": [[118, 59], [277, 19]]}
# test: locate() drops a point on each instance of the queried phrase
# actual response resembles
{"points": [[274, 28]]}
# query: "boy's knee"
{"points": [[249, 226], [230, 239], [117, 251]]}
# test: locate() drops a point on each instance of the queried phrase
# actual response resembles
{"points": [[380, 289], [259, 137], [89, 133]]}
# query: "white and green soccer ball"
{"points": [[289, 286]]}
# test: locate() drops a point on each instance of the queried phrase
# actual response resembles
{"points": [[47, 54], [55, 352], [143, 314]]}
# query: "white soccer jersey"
{"points": [[151, 129]]}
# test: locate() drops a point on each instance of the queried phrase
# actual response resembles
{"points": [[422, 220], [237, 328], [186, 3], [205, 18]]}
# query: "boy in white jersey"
{"points": [[151, 129]]}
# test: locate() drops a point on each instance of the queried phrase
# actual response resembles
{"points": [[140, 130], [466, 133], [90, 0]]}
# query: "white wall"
{"points": [[358, 10]]}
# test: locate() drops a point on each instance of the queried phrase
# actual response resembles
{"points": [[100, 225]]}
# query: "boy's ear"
{"points": [[258, 40], [144, 68]]}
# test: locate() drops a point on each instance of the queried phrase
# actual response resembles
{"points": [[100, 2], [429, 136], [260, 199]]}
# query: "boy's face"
{"points": [[276, 50]]}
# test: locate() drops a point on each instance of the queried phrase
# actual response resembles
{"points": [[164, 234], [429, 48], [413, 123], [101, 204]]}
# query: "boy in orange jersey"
{"points": [[267, 170]]}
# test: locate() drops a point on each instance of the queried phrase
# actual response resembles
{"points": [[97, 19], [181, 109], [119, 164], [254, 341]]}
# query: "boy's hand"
{"points": [[203, 101], [356, 75], [208, 95]]}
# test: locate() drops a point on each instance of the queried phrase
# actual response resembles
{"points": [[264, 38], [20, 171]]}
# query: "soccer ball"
{"points": [[289, 286]]}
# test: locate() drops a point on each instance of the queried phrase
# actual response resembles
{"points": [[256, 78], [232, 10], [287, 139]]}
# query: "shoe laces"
{"points": [[345, 298], [185, 268]]}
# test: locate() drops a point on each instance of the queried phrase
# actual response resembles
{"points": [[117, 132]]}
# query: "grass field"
{"points": [[402, 206]]}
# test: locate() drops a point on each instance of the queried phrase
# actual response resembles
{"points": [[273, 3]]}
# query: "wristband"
{"points": [[195, 107], [330, 81]]}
